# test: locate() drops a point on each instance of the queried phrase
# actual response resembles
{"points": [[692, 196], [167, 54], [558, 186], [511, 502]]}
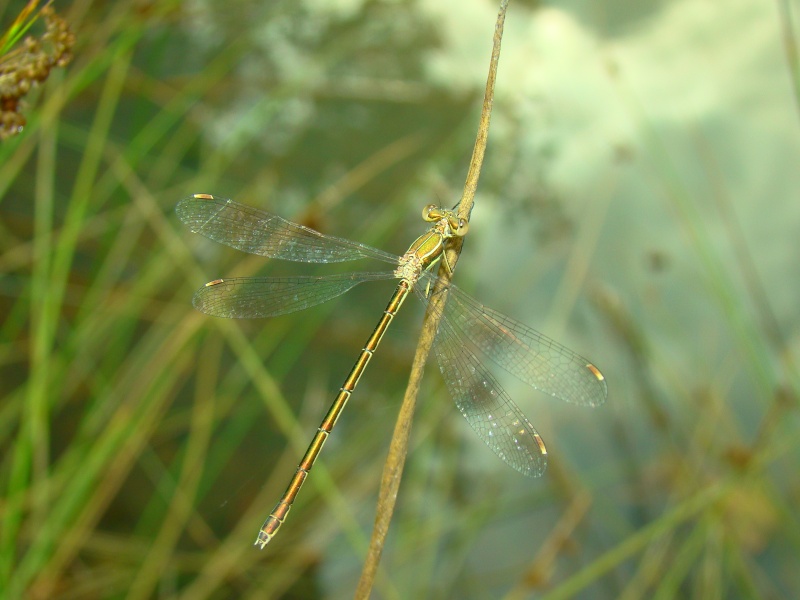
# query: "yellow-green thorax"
{"points": [[428, 248]]}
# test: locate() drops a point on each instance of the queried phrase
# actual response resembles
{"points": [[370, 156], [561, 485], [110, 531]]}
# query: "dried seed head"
{"points": [[29, 64]]}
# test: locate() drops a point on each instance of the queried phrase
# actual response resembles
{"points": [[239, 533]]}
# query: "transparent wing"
{"points": [[258, 232], [485, 405], [254, 297], [525, 353]]}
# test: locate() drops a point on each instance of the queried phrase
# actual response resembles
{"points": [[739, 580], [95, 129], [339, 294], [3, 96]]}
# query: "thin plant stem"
{"points": [[791, 47], [398, 448]]}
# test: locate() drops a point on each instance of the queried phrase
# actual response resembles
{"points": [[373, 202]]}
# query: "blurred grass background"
{"points": [[639, 203]]}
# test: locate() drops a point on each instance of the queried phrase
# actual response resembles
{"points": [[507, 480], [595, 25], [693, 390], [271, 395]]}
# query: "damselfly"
{"points": [[466, 329]]}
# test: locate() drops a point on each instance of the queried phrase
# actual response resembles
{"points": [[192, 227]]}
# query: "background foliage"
{"points": [[639, 203]]}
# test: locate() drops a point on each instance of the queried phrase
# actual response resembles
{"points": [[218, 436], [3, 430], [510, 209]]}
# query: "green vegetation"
{"points": [[641, 180]]}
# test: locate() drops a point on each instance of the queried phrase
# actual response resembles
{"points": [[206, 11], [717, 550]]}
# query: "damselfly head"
{"points": [[457, 227]]}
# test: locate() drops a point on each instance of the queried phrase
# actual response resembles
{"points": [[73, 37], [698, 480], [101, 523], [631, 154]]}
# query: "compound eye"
{"points": [[462, 227], [431, 213]]}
